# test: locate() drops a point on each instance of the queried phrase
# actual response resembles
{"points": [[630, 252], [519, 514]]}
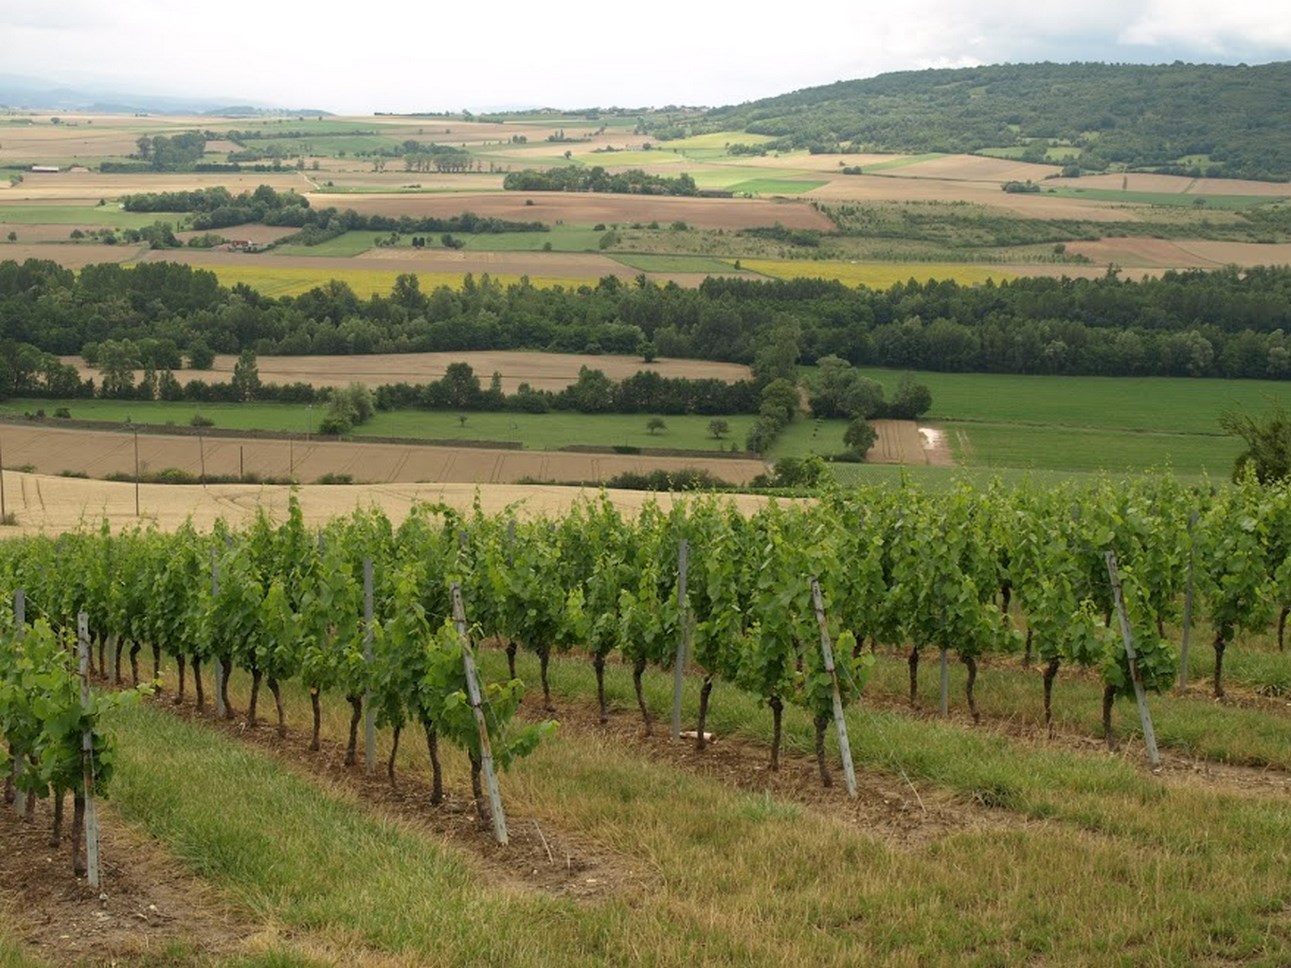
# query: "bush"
{"points": [[199, 421]]}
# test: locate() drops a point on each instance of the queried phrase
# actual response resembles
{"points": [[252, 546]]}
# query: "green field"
{"points": [[777, 186], [1161, 404], [1068, 448], [110, 216], [343, 246], [561, 238]]}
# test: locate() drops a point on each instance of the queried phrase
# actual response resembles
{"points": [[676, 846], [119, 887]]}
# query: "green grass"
{"points": [[1066, 448], [777, 186], [1230, 203], [96, 215], [1162, 404], [1082, 859], [343, 246], [561, 238], [550, 431]]}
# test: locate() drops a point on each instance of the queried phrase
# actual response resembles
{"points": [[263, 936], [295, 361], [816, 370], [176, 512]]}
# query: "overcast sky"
{"points": [[395, 55]]}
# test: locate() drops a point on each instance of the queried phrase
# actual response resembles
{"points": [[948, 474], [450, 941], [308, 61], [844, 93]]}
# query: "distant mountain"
{"points": [[35, 94], [1186, 118]]}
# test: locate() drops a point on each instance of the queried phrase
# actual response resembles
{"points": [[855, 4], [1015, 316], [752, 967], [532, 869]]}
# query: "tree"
{"points": [[655, 424], [780, 400], [200, 356], [1268, 443], [860, 436], [718, 428], [910, 400], [246, 377]]}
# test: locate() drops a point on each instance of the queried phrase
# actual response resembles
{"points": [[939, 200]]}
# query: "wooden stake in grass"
{"points": [[1187, 601], [221, 709], [1149, 737], [369, 720], [86, 798], [485, 761], [679, 665], [840, 721], [13, 789]]}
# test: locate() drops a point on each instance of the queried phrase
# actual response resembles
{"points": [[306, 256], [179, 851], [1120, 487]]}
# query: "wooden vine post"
{"points": [[87, 755], [1187, 600], [369, 719], [840, 721], [1149, 737], [220, 709], [477, 706], [683, 643], [945, 681], [19, 762]]}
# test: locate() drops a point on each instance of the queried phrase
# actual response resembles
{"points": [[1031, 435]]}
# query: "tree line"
{"points": [[216, 208], [1227, 323], [575, 178]]}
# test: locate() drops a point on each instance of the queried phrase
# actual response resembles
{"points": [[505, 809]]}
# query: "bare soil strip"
{"points": [[148, 900]]}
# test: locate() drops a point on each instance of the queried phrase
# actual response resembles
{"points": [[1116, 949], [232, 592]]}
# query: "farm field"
{"points": [[101, 453], [994, 832], [542, 371]]}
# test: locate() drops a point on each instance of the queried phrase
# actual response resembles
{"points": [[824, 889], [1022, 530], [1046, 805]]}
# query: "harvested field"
{"points": [[1150, 253], [460, 261], [259, 234], [898, 188], [542, 371], [393, 181], [1172, 184], [905, 442], [803, 161], [73, 256], [976, 168], [707, 213], [56, 504], [100, 453], [70, 189]]}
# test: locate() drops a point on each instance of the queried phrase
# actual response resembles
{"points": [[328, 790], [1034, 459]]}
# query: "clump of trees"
{"points": [[576, 178]]}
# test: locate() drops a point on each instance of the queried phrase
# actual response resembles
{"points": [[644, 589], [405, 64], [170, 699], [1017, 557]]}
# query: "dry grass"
{"points": [[55, 504]]}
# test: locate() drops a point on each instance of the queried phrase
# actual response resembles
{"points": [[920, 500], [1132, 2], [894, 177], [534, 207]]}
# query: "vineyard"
{"points": [[360, 614]]}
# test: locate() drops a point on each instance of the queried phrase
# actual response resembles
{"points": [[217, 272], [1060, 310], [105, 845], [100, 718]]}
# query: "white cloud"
{"points": [[402, 55]]}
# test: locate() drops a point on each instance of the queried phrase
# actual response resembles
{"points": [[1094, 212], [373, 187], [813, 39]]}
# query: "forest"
{"points": [[1229, 323], [1196, 119]]}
